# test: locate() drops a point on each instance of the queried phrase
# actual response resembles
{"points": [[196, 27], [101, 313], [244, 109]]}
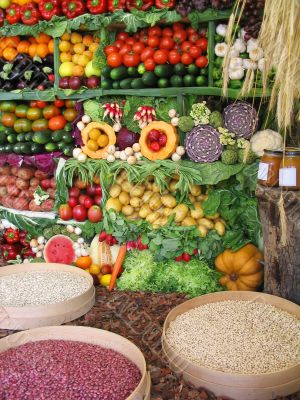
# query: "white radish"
{"points": [[76, 152], [128, 151], [80, 125], [86, 119], [176, 157], [77, 230], [180, 150], [82, 157]]}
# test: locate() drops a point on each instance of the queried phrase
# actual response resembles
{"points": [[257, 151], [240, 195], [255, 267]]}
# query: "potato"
{"points": [[146, 196], [163, 220], [135, 202], [202, 231], [169, 201], [124, 198], [152, 217], [115, 190], [220, 228], [202, 197], [176, 177], [155, 202], [133, 216], [137, 191], [155, 188], [181, 212], [145, 211], [195, 190], [113, 204], [206, 222], [192, 198], [188, 221], [126, 186], [168, 211], [156, 225], [215, 216], [148, 186], [172, 186], [197, 212], [127, 210], [123, 174], [119, 180]]}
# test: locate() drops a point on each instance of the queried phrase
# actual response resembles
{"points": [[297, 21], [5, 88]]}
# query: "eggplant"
{"points": [[21, 85], [48, 61], [8, 86]]}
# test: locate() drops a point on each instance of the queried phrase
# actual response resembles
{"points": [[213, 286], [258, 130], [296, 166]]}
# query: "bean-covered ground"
{"points": [[139, 317]]}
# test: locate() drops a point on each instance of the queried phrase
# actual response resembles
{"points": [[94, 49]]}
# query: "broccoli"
{"points": [[186, 124], [246, 156], [232, 147], [48, 233], [56, 229], [229, 157], [73, 237], [216, 119]]}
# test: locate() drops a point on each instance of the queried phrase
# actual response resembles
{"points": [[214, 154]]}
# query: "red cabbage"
{"points": [[126, 138]]}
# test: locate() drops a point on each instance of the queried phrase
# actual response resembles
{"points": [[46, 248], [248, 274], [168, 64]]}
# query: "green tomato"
{"points": [[141, 69], [22, 125]]}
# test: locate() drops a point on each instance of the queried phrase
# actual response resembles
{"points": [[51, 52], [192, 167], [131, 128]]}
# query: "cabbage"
{"points": [[241, 118]]}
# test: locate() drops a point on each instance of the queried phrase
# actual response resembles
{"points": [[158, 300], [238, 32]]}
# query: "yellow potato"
{"points": [[188, 221], [206, 222], [124, 198], [168, 201], [137, 191], [152, 217], [145, 211], [127, 186], [127, 210], [155, 202], [168, 211], [198, 211], [172, 187], [195, 190], [135, 202], [181, 212], [202, 231], [215, 216], [192, 198], [147, 195], [155, 188], [114, 204], [115, 190], [220, 228]]}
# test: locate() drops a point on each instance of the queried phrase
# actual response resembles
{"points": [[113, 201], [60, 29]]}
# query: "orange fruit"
{"points": [[83, 60], [66, 37], [10, 53], [51, 46], [94, 269], [23, 47], [43, 38], [42, 50], [87, 40], [94, 134], [75, 58], [93, 47], [78, 70], [102, 140], [32, 50], [89, 54], [92, 145], [65, 57], [78, 48], [32, 39], [64, 46], [83, 262], [76, 38], [13, 41]]}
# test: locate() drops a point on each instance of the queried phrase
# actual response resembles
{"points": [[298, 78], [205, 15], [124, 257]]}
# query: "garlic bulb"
{"points": [[175, 121], [172, 113], [233, 52], [136, 147], [117, 154], [252, 44], [235, 62], [261, 64], [76, 152], [180, 150], [236, 73], [110, 158], [111, 149], [240, 45], [131, 160], [256, 54], [123, 156], [176, 157], [80, 125], [249, 64], [128, 151], [221, 49], [86, 119], [82, 157], [138, 155], [221, 30]]}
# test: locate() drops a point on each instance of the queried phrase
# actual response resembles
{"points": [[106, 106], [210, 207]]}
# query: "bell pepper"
{"points": [[13, 14], [12, 235], [24, 238], [49, 8], [10, 251], [113, 5], [165, 4], [1, 17], [72, 9], [97, 6], [27, 252], [143, 5], [30, 14]]}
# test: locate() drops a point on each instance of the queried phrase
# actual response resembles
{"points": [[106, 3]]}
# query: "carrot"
{"points": [[117, 266]]}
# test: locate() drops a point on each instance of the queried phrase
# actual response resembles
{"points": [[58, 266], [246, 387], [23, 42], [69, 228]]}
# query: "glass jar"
{"points": [[289, 173], [268, 169]]}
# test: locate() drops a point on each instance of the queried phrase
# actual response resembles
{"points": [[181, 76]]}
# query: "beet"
{"points": [[126, 138]]}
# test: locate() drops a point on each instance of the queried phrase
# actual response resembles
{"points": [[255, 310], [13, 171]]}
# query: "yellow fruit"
{"points": [[105, 280], [78, 70], [76, 38], [88, 40], [94, 134], [89, 54], [64, 46], [83, 60], [66, 69], [93, 47], [66, 37], [75, 58], [94, 269], [92, 145], [65, 57], [102, 140], [79, 48]]}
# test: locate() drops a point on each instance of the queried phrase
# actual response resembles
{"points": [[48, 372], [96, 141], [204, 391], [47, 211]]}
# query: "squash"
{"points": [[242, 269], [101, 126], [168, 149]]}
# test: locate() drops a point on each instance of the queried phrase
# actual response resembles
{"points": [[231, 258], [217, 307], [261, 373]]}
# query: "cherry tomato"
{"points": [[50, 112], [160, 57], [201, 62], [153, 41], [167, 32], [190, 30], [195, 51], [144, 39], [131, 59], [180, 36], [40, 125], [149, 64], [178, 26], [136, 36], [8, 119], [57, 123], [119, 43], [122, 36], [203, 43], [138, 47], [155, 31], [174, 57], [193, 37], [185, 47], [166, 43], [33, 104], [59, 103], [70, 114], [130, 41], [41, 104], [125, 49], [147, 53], [114, 60], [186, 59], [110, 49]]}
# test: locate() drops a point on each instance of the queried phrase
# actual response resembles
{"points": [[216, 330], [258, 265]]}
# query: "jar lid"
{"points": [[292, 151], [274, 152]]}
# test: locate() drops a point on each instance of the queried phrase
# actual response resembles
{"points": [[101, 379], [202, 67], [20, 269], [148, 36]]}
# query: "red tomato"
{"points": [[33, 104], [185, 47], [73, 201], [180, 36], [203, 43], [50, 112], [153, 41], [131, 59], [59, 103], [147, 53], [174, 57], [65, 212], [136, 36], [122, 36], [138, 47], [155, 31], [144, 39], [186, 59], [178, 26], [57, 123], [41, 104], [149, 64], [201, 62], [119, 43], [195, 51], [74, 192], [130, 41], [114, 60], [125, 49], [190, 30], [167, 32], [193, 37], [160, 56], [110, 49], [166, 43]]}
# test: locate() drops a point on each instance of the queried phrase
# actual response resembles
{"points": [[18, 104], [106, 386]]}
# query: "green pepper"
{"points": [[218, 61], [219, 83], [216, 74], [235, 84]]}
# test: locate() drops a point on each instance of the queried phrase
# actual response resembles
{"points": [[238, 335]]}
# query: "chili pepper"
{"points": [[143, 5], [97, 6], [30, 14], [113, 5], [165, 4], [49, 8], [72, 9], [13, 14], [11, 235], [10, 251]]}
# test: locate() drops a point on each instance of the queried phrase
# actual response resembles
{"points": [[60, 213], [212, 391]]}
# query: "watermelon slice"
{"points": [[59, 249]]}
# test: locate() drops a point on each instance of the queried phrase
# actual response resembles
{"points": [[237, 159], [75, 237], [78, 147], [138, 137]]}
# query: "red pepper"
{"points": [[1, 17], [11, 235], [27, 252], [10, 251], [30, 14], [113, 5], [49, 8], [72, 9], [13, 14], [143, 5], [165, 4], [97, 6]]}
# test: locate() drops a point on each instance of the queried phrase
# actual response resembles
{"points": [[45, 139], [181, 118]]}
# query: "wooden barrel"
{"points": [[237, 386], [95, 336], [34, 316]]}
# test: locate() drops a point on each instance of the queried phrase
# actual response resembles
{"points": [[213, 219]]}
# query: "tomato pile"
{"points": [[156, 140], [170, 56], [37, 127]]}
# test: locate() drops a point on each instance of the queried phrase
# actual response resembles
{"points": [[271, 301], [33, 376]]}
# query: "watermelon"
{"points": [[59, 249]]}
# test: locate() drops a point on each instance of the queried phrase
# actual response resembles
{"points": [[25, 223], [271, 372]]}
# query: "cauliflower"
{"points": [[266, 140], [216, 119], [186, 124], [200, 113], [226, 137], [229, 157]]}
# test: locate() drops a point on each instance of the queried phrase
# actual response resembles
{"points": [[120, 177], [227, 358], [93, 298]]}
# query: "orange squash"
{"points": [[242, 269], [164, 152], [101, 126]]}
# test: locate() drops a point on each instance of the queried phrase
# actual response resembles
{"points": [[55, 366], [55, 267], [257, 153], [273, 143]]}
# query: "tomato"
{"points": [[144, 39], [39, 125], [154, 31], [94, 214], [153, 41], [190, 30], [168, 32], [119, 43], [50, 112], [34, 113], [22, 125], [138, 47], [70, 103], [110, 49], [73, 201], [185, 47], [125, 49], [149, 64], [180, 36], [195, 51], [131, 59], [21, 111], [65, 212], [59, 103], [114, 60], [178, 26], [8, 106], [70, 114], [122, 36], [41, 104], [193, 37], [147, 53], [174, 57], [201, 62], [33, 104], [160, 56], [8, 119], [57, 123], [203, 43], [186, 59], [136, 36], [79, 213], [130, 41], [166, 43]]}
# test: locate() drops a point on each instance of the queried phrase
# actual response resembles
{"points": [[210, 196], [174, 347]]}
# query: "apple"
{"points": [[94, 214], [74, 192], [93, 82], [65, 212], [82, 198], [79, 213], [91, 190], [73, 201], [75, 82], [64, 83], [98, 190], [97, 200], [88, 202]]}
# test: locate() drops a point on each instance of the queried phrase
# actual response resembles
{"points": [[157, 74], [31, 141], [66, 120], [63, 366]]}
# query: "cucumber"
{"points": [[126, 83], [116, 85], [149, 79], [137, 83], [106, 83], [176, 81], [106, 72], [180, 69], [132, 71], [163, 71], [163, 83], [118, 73]]}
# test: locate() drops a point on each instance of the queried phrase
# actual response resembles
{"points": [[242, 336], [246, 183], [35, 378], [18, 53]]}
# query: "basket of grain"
{"points": [[72, 362], [243, 345], [36, 295]]}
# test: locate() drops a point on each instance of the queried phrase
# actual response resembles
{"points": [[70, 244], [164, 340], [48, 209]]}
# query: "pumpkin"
{"points": [[242, 269], [106, 129], [168, 149]]}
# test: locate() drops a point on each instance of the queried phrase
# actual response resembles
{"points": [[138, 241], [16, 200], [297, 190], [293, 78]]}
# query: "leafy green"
{"points": [[93, 109], [163, 106], [131, 107]]}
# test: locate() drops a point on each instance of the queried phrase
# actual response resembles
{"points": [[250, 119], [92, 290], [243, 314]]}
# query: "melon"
{"points": [[59, 249]]}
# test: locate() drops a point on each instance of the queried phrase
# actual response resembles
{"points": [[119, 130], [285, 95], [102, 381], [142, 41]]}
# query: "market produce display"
{"points": [[15, 244]]}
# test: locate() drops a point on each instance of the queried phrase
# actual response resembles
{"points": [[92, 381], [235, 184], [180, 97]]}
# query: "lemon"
{"points": [[94, 269], [105, 280], [66, 69]]}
